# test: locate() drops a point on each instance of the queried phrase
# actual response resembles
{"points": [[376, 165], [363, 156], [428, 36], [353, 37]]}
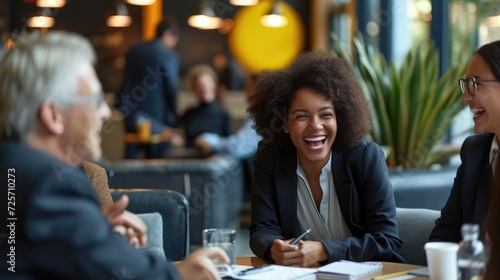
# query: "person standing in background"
{"points": [[150, 87]]}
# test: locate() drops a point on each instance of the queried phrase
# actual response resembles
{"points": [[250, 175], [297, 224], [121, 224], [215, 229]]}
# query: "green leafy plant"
{"points": [[413, 106]]}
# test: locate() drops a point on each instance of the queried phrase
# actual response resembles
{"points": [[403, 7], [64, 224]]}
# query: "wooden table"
{"points": [[134, 138], [389, 267]]}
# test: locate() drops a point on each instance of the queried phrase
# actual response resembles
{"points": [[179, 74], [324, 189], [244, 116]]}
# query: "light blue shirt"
{"points": [[243, 144]]}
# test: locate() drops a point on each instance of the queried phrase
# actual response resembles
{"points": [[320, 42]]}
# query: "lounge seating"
{"points": [[213, 186], [415, 226], [174, 211], [427, 189]]}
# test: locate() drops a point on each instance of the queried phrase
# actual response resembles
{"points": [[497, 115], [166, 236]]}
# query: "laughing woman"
{"points": [[314, 170]]}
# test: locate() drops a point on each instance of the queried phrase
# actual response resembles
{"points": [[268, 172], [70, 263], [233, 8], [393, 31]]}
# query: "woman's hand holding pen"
{"points": [[302, 254]]}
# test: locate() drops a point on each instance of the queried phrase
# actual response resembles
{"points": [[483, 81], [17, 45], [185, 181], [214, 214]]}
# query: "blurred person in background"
{"points": [[150, 87], [492, 243], [242, 145], [207, 116]]}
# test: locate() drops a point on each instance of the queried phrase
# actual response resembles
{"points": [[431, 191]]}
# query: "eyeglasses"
{"points": [[98, 99], [470, 84]]}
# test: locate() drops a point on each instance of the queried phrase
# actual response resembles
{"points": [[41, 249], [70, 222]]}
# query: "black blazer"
{"points": [[60, 231], [365, 195], [150, 86], [469, 197]]}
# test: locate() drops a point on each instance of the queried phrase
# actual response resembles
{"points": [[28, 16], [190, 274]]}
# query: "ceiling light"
{"points": [[274, 18], [244, 2], [205, 17], [493, 21], [50, 3], [140, 2], [41, 19], [121, 17]]}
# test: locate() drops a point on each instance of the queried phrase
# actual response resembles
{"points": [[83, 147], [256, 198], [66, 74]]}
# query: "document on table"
{"points": [[276, 272], [347, 270]]}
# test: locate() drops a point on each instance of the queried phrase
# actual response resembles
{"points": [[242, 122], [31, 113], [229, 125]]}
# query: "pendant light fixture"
{"points": [[274, 18], [41, 19], [243, 2], [50, 3], [140, 2], [205, 17], [120, 18]]}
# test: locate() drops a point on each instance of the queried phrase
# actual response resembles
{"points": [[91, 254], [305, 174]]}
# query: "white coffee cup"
{"points": [[442, 260]]}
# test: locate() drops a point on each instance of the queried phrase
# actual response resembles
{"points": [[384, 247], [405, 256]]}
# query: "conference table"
{"points": [[388, 267]]}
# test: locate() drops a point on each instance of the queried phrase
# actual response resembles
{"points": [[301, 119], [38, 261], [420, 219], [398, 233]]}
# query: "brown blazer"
{"points": [[99, 180]]}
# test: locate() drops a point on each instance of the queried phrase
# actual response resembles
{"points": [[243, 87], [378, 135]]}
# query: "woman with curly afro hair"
{"points": [[314, 170]]}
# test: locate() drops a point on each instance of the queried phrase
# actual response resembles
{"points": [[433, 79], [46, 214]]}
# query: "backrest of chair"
{"points": [[415, 226], [174, 210]]}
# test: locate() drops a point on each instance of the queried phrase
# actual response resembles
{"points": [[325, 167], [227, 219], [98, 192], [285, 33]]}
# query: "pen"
{"points": [[253, 270], [391, 275], [298, 238]]}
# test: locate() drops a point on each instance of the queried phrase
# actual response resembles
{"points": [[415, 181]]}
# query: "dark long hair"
{"points": [[491, 53]]}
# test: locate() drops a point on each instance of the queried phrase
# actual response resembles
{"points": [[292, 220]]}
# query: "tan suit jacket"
{"points": [[99, 179]]}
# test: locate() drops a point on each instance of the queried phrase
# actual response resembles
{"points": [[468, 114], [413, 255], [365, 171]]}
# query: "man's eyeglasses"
{"points": [[98, 99], [470, 84]]}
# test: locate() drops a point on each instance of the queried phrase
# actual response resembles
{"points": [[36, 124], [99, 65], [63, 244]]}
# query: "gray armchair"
{"points": [[213, 186], [174, 210], [415, 226]]}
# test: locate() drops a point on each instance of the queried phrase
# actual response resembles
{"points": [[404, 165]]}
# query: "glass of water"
{"points": [[223, 238]]}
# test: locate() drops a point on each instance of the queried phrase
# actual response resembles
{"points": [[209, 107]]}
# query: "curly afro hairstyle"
{"points": [[319, 71]]}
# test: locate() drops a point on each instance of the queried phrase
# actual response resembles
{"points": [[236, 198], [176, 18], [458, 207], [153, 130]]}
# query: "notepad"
{"points": [[347, 270]]}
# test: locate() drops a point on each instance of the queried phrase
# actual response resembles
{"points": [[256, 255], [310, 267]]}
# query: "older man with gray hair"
{"points": [[51, 109]]}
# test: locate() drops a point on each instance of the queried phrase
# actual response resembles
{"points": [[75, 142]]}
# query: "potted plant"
{"points": [[413, 106]]}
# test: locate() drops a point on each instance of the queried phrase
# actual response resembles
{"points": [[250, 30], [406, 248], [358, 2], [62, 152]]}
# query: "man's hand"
{"points": [[203, 146], [174, 136], [127, 223], [198, 265]]}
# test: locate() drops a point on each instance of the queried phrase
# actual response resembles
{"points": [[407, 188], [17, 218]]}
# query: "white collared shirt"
{"points": [[494, 154], [328, 222]]}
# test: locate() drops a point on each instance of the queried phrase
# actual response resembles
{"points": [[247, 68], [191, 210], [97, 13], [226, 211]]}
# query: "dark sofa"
{"points": [[427, 189], [174, 210], [213, 186]]}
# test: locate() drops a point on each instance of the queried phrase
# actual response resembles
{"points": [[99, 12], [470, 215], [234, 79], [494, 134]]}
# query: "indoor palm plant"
{"points": [[413, 106]]}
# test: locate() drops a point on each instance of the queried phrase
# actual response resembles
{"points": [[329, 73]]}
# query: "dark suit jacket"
{"points": [[206, 117], [469, 197], [365, 196], [60, 232], [150, 86]]}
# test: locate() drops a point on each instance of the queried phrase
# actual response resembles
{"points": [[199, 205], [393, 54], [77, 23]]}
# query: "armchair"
{"points": [[174, 210], [415, 226]]}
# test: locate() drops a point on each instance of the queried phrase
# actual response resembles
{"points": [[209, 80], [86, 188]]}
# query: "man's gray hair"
{"points": [[40, 67]]}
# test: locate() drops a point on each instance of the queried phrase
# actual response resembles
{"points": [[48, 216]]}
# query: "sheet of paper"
{"points": [[278, 272]]}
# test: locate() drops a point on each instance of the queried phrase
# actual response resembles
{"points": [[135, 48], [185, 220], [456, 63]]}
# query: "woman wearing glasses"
{"points": [[468, 201]]}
